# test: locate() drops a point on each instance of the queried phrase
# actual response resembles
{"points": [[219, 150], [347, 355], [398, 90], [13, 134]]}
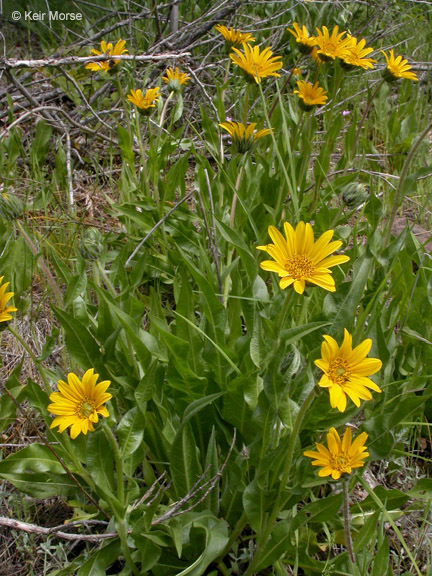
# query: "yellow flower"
{"points": [[298, 259], [79, 403], [310, 95], [305, 42], [243, 136], [255, 64], [331, 46], [341, 456], [346, 371], [175, 79], [4, 299], [144, 103], [234, 37], [356, 55], [107, 65], [397, 68]]}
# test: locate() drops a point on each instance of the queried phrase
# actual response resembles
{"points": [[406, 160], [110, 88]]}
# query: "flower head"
{"points": [[356, 55], [341, 456], [255, 64], [310, 95], [107, 65], [304, 41], [331, 46], [346, 371], [175, 79], [144, 103], [397, 68], [299, 259], [5, 310], [234, 37], [79, 403], [243, 135]]}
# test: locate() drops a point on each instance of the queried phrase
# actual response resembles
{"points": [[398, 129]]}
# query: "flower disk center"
{"points": [[300, 267], [85, 408], [341, 462], [339, 371]]}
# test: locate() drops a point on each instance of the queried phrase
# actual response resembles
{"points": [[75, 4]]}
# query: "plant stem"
{"points": [[126, 110], [284, 480], [164, 109], [118, 462], [122, 532], [390, 520], [143, 158], [365, 113], [348, 540], [246, 104], [399, 191], [35, 360], [232, 216], [42, 264]]}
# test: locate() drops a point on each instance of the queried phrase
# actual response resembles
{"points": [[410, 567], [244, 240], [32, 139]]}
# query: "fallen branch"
{"points": [[9, 63]]}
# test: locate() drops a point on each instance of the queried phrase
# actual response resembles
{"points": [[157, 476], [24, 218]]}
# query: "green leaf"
{"points": [[101, 560], [366, 534], [131, 431], [323, 510], [277, 545], [381, 560], [216, 538], [185, 467], [256, 501], [17, 391], [339, 305], [100, 460], [125, 145], [81, 345]]}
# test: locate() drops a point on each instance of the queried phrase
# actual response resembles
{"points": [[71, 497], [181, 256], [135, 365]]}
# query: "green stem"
{"points": [[283, 482], [125, 108], [231, 252], [141, 147], [42, 264], [238, 528], [363, 118], [348, 540], [118, 462], [246, 104], [164, 109], [35, 360], [391, 522], [122, 532], [399, 191]]}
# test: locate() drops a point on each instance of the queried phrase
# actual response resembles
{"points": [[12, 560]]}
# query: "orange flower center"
{"points": [[85, 408], [339, 371], [299, 267]]}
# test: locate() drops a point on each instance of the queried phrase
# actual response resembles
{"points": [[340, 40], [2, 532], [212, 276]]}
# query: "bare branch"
{"points": [[8, 63]]}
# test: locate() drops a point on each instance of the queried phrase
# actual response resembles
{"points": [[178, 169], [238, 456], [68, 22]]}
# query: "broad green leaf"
{"points": [[184, 463], [381, 560], [100, 560], [340, 305], [323, 510], [216, 538], [366, 534], [100, 460], [81, 345], [131, 431], [256, 501], [279, 541]]}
